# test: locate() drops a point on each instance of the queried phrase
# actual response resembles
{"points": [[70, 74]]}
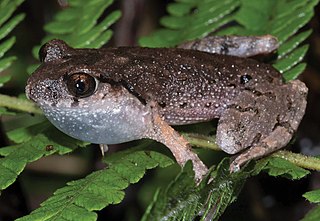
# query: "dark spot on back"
{"points": [[270, 95], [183, 105], [231, 85], [269, 79], [208, 104], [213, 81], [162, 104]]}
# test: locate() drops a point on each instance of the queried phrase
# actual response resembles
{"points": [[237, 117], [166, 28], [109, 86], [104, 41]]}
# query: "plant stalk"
{"points": [[306, 162], [201, 141]]}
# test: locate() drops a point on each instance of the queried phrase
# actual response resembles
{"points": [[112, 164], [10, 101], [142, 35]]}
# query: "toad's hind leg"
{"points": [[261, 123], [180, 148]]}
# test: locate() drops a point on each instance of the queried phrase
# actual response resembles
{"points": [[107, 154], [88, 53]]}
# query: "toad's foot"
{"points": [[180, 148], [278, 138]]}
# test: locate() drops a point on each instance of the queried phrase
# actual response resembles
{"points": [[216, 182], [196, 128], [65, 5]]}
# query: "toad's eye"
{"points": [[81, 85]]}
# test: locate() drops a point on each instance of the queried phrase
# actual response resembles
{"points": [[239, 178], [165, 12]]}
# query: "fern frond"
{"points": [[282, 19], [32, 145], [191, 19], [79, 199], [182, 200], [7, 24], [313, 214], [78, 24]]}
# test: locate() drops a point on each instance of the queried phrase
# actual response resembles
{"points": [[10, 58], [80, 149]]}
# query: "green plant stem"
{"points": [[19, 104], [202, 141], [306, 162]]}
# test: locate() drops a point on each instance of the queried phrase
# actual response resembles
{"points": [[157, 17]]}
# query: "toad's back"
{"points": [[188, 86]]}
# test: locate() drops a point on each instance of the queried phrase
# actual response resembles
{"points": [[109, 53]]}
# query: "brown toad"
{"points": [[114, 95]]}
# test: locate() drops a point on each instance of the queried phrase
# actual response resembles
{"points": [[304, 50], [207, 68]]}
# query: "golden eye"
{"points": [[81, 85]]}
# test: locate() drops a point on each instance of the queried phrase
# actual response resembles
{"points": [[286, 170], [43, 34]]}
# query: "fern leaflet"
{"points": [[80, 198], [78, 24], [191, 19], [278, 18], [7, 24], [32, 145]]}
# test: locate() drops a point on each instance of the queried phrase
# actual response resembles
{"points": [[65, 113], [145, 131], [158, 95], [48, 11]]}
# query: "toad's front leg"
{"points": [[180, 148]]}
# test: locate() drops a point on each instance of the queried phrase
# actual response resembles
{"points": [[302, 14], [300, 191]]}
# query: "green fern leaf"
{"points": [[80, 198], [276, 166], [291, 60], [7, 28], [189, 20], [5, 46], [313, 196], [7, 8], [292, 43], [78, 24], [294, 72], [313, 214], [6, 25], [182, 200], [279, 18], [33, 145], [6, 62]]}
